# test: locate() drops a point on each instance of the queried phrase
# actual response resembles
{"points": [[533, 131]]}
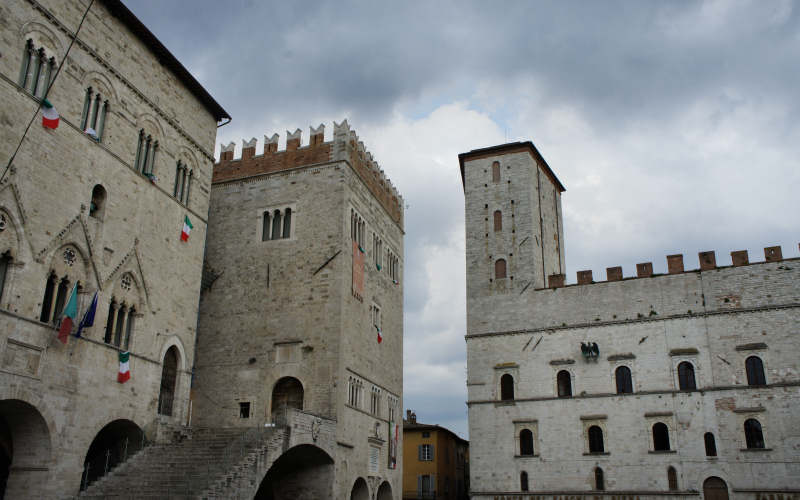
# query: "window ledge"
{"points": [[755, 449], [662, 452], [597, 453], [535, 455], [509, 402]]}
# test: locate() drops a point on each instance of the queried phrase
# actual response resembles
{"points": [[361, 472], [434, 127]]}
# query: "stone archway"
{"points": [[114, 444], [287, 393], [384, 491], [24, 450], [715, 488], [360, 490], [304, 472]]}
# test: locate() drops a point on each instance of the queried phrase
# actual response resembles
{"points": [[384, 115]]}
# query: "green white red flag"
{"points": [[68, 315], [50, 116], [187, 227], [124, 367]]}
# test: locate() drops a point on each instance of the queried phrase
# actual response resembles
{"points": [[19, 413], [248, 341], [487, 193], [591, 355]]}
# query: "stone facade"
{"points": [[295, 309], [664, 372], [79, 211]]}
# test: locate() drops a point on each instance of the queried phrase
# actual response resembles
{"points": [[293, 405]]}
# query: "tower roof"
{"points": [[511, 147]]}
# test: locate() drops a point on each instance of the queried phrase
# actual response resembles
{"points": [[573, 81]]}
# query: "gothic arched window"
{"points": [[623, 378], [686, 380], [755, 371]]}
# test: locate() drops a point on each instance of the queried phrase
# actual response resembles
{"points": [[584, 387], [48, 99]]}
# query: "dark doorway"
{"points": [[114, 444], [304, 472], [715, 488], [169, 375], [385, 491], [287, 393], [25, 446], [360, 490]]}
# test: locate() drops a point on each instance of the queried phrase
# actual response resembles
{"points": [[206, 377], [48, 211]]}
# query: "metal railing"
{"points": [[109, 459]]}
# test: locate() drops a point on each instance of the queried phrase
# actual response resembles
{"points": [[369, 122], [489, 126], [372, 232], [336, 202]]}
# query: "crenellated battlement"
{"points": [[345, 146], [707, 261]]}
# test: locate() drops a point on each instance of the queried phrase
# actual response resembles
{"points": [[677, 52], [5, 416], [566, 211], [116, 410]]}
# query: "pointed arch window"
{"points": [[47, 300], [112, 312], [61, 297], [265, 218], [146, 150], [287, 223], [183, 182]]}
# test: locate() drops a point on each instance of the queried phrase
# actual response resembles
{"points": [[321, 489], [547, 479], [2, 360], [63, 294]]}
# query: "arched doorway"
{"points": [[287, 393], [305, 472], [715, 488], [384, 491], [25, 445], [114, 444], [360, 490], [169, 376]]}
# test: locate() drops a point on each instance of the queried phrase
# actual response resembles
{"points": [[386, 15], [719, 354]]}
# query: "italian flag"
{"points": [[49, 115], [124, 367], [187, 227], [380, 337], [68, 315]]}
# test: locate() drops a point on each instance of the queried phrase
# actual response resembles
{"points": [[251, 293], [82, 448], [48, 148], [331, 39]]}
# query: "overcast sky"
{"points": [[673, 125]]}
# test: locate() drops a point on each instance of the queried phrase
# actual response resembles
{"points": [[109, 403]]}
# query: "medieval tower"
{"points": [[681, 384], [301, 322]]}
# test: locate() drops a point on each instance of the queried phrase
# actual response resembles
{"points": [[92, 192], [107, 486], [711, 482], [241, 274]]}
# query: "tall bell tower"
{"points": [[514, 226]]}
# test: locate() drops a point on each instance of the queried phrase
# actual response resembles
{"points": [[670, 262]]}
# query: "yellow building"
{"points": [[435, 462]]}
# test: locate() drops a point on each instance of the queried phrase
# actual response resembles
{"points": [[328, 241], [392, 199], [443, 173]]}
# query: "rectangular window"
{"points": [[374, 459], [376, 316], [244, 410], [425, 486], [425, 452]]}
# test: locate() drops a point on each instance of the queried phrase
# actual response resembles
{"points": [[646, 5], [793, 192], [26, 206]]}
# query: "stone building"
{"points": [[93, 203], [435, 462], [649, 386], [302, 317]]}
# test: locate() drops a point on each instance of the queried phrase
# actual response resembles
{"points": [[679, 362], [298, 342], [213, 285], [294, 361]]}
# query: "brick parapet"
{"points": [[344, 147], [706, 259]]}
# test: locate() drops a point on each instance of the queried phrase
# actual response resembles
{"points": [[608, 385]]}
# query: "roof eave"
{"points": [[511, 145]]}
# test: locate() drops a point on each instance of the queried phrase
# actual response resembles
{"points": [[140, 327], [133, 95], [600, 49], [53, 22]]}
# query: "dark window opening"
{"points": [[244, 410], [599, 482], [112, 309], [596, 440], [526, 442], [624, 381], [61, 298], [711, 445], [752, 434], [169, 378], [564, 382], [47, 301], [98, 204], [265, 227], [755, 371], [287, 223], [5, 261], [276, 225], [660, 437], [672, 478], [523, 481], [686, 380], [507, 387]]}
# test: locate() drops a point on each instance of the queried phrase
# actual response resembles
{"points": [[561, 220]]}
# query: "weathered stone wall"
{"points": [[285, 307], [45, 200], [715, 319]]}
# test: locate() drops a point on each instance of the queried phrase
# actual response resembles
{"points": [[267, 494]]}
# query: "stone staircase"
{"points": [[204, 464]]}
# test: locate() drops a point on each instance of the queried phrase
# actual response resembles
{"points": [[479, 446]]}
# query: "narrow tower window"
{"points": [[498, 220], [711, 445], [623, 378], [755, 371], [564, 382], [526, 442], [496, 172], [500, 269], [506, 387], [686, 380]]}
